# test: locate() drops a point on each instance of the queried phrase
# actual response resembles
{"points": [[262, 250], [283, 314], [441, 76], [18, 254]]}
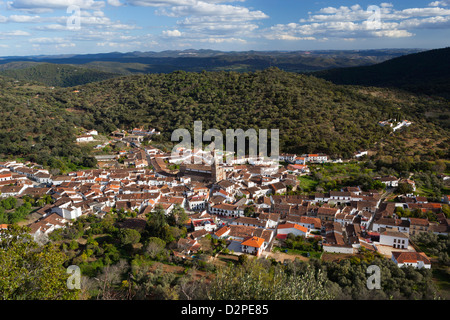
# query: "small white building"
{"points": [[197, 202], [415, 259], [297, 230], [85, 138], [359, 154], [338, 248], [68, 211], [226, 209], [395, 239], [92, 132], [390, 181], [287, 157], [5, 177], [253, 245]]}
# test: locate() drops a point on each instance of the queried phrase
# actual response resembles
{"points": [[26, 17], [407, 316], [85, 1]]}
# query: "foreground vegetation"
{"points": [[122, 259]]}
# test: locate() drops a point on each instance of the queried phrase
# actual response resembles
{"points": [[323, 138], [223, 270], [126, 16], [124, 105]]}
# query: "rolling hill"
{"points": [[425, 72], [210, 60], [53, 74]]}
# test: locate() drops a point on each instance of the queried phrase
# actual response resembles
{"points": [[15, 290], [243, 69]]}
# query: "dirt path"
{"points": [[281, 256]]}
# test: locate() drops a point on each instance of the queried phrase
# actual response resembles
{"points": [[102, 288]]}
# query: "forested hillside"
{"points": [[312, 115], [425, 72], [57, 75], [35, 130]]}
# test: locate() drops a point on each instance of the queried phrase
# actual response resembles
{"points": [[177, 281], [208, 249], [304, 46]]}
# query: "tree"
{"points": [[157, 225], [129, 236], [177, 217], [404, 188], [249, 211], [254, 281], [29, 271], [154, 246]]}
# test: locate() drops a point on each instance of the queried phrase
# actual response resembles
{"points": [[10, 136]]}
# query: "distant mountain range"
{"points": [[413, 70], [116, 63]]}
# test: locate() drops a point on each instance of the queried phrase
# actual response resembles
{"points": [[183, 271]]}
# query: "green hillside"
{"points": [[313, 115], [55, 75], [425, 72]]}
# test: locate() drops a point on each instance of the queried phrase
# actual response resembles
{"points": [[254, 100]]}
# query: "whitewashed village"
{"points": [[244, 203]]}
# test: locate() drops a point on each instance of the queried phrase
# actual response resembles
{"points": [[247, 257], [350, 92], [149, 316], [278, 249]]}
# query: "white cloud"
{"points": [[42, 6], [24, 18], [217, 40], [443, 3], [15, 33], [44, 40], [169, 3], [201, 8], [172, 33], [115, 3], [393, 33], [356, 22]]}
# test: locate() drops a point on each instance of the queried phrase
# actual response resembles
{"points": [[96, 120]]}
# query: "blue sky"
{"points": [[33, 27]]}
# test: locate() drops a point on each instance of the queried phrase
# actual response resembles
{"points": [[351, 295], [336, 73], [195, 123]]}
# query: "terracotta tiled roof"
{"points": [[403, 257], [254, 242]]}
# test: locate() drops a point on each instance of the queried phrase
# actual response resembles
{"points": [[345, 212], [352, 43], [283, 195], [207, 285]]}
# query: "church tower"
{"points": [[217, 172]]}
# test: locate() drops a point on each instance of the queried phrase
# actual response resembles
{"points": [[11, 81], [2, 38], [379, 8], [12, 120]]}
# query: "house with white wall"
{"points": [[415, 259], [297, 230], [395, 239], [253, 245]]}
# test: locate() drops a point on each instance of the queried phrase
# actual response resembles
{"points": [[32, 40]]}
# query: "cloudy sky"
{"points": [[32, 27]]}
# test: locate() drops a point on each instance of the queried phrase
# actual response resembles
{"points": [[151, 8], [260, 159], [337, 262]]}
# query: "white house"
{"points": [[404, 123], [42, 177], [316, 157], [6, 177], [401, 225], [197, 202], [226, 209], [67, 211], [390, 181], [395, 239], [415, 259], [297, 230], [253, 245], [85, 138], [46, 225], [248, 221], [338, 248], [359, 154], [287, 157], [203, 224], [222, 232], [92, 133]]}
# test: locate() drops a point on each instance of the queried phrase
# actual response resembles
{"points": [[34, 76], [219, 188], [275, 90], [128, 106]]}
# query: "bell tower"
{"points": [[217, 172]]}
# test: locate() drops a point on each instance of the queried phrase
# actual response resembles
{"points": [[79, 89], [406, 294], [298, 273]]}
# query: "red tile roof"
{"points": [[254, 242]]}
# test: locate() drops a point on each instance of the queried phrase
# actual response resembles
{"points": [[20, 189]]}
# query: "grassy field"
{"points": [[306, 183], [340, 170], [313, 254]]}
